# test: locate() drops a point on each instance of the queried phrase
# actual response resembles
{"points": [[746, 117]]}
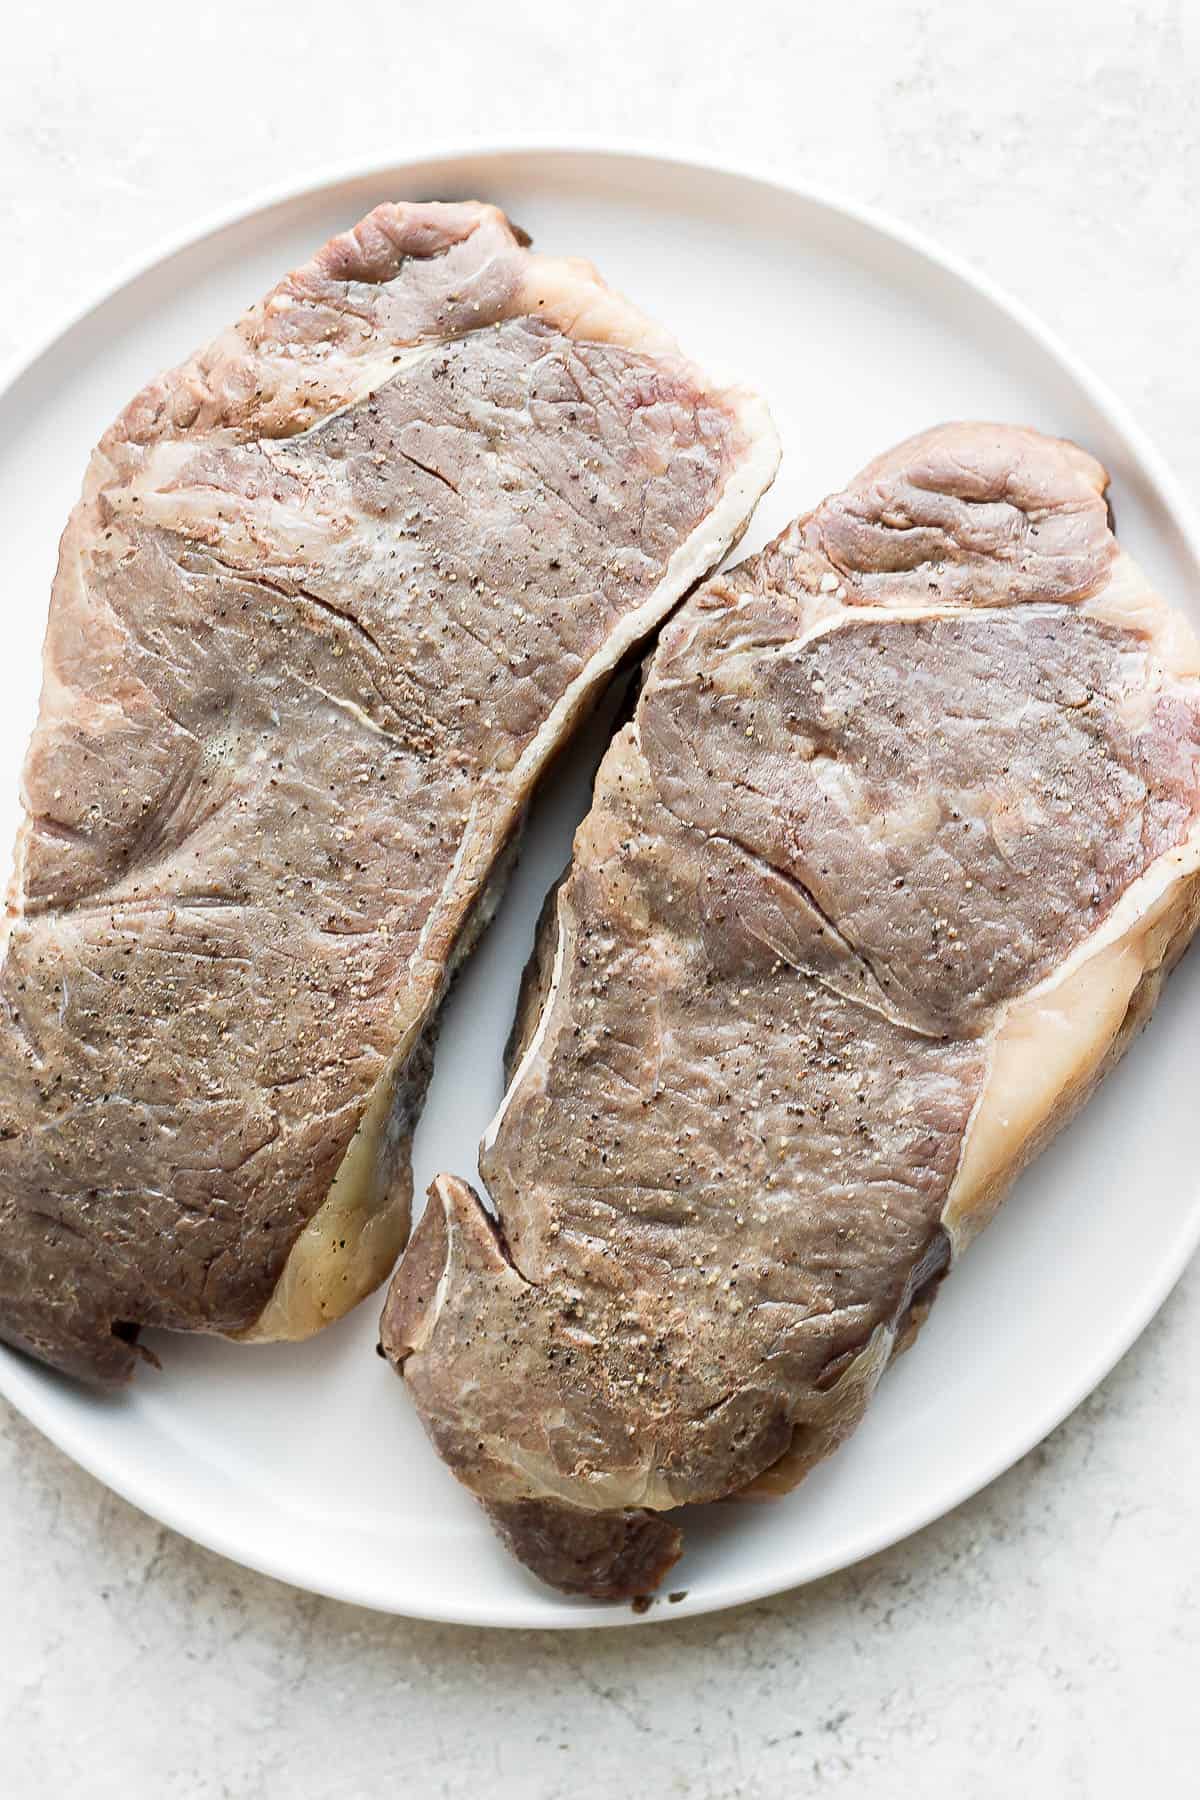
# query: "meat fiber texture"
{"points": [[335, 591], [888, 865]]}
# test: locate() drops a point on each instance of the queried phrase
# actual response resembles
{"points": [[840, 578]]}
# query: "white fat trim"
{"points": [[570, 294], [865, 1372], [1138, 910], [434, 916], [371, 375], [1126, 599], [164, 464], [443, 1286], [831, 616], [535, 1043], [319, 1281], [599, 1492], [1164, 872], [354, 711]]}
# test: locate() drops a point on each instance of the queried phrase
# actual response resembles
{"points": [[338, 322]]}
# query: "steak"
{"points": [[879, 880], [335, 591]]}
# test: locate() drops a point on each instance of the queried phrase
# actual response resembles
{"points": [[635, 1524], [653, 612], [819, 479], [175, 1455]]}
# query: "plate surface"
{"points": [[306, 1462]]}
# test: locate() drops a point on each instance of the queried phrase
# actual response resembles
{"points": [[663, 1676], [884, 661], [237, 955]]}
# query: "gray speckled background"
{"points": [[1045, 1639]]}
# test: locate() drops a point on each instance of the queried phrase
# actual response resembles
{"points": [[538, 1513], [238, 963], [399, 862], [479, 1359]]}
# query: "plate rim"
{"points": [[26, 1386]]}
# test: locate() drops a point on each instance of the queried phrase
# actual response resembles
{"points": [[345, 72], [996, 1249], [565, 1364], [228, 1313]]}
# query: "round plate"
{"points": [[307, 1461]]}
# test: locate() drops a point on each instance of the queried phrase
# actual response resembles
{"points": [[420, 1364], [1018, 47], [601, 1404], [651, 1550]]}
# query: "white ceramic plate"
{"points": [[307, 1462]]}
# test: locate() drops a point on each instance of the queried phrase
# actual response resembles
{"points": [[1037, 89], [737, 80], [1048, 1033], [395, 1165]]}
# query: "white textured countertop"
{"points": [[1045, 1639]]}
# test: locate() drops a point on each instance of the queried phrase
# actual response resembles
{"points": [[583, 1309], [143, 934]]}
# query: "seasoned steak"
{"points": [[335, 591], [880, 879]]}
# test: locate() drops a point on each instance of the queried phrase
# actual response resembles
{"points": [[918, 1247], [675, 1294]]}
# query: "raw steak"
{"points": [[887, 868], [335, 591]]}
